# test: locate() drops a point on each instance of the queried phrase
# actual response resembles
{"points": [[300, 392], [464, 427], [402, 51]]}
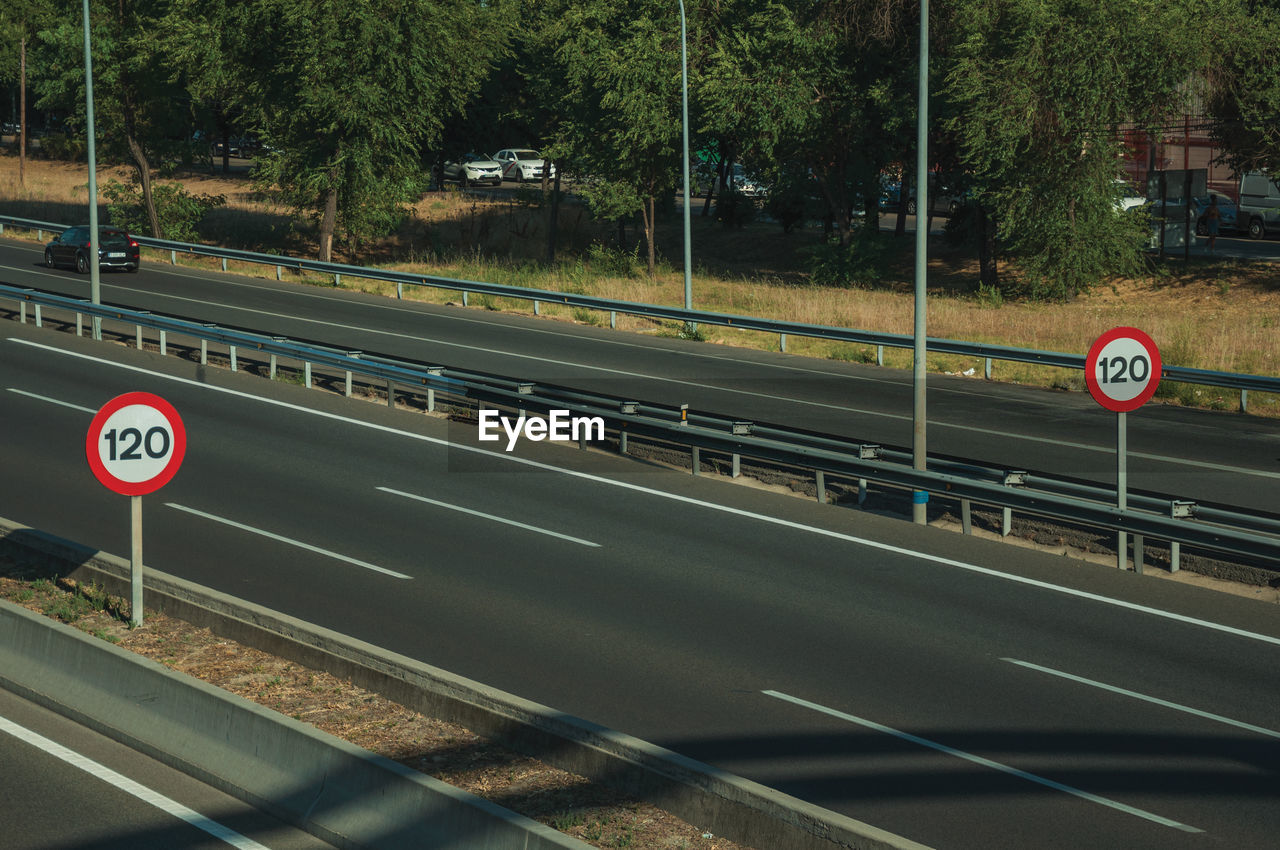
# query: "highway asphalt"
{"points": [[957, 691], [66, 787], [1210, 457]]}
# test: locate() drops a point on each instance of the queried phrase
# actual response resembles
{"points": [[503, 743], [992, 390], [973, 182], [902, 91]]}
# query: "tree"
{"points": [[1244, 87], [348, 93], [1040, 90], [19, 22], [621, 64], [136, 108], [206, 46]]}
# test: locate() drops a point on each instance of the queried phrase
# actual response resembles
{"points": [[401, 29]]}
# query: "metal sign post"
{"points": [[1122, 371], [135, 445]]}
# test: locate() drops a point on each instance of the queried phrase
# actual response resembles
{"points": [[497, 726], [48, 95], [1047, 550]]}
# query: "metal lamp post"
{"points": [[920, 498], [684, 103], [95, 278]]}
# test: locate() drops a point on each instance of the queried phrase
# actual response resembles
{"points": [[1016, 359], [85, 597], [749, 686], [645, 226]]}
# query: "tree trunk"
{"points": [[328, 222], [900, 226], [22, 110], [143, 167], [647, 214], [553, 216], [622, 234], [988, 274]]}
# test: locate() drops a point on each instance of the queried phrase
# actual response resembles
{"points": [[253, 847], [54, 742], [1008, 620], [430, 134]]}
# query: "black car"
{"points": [[117, 250]]}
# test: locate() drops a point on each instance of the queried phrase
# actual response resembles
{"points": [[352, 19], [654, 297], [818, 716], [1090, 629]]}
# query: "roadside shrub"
{"points": [[60, 146], [735, 210], [179, 211], [863, 262]]}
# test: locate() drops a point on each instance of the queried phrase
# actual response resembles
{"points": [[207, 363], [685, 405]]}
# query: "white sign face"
{"points": [[136, 443], [1123, 369]]}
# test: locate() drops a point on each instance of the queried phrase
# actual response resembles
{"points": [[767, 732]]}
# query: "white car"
{"points": [[521, 164], [474, 168]]}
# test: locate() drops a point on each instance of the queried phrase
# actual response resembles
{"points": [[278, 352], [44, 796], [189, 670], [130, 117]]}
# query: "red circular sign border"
{"points": [[1091, 362], [135, 488]]}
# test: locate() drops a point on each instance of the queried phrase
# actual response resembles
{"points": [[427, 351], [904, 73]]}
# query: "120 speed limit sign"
{"points": [[1122, 369], [136, 443]]}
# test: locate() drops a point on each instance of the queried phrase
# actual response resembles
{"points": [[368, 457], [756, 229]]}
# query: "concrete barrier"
{"points": [[344, 795], [727, 804]]}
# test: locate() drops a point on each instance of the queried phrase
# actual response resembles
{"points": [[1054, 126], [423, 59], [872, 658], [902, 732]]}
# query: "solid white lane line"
{"points": [[484, 515], [280, 539], [1239, 724], [698, 385], [687, 500], [984, 762], [52, 400], [128, 786]]}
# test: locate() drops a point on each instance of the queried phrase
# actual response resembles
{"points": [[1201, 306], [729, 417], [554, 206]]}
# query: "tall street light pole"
{"points": [[920, 498], [95, 277], [684, 104]]}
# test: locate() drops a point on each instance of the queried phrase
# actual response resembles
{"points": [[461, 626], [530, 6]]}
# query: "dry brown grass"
{"points": [[1218, 314]]}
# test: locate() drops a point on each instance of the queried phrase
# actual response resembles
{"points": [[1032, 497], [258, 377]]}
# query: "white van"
{"points": [[1259, 207]]}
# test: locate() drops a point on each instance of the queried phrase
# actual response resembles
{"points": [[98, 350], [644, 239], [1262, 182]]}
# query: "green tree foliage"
{"points": [[207, 47], [136, 107], [1041, 88], [621, 63], [348, 92], [1244, 86]]}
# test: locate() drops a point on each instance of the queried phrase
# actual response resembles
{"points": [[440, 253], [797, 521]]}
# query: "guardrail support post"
{"points": [[697, 460], [966, 517], [337, 280], [821, 480], [1137, 553], [224, 264], [1006, 522], [737, 466], [22, 312], [879, 355], [173, 258], [622, 440], [204, 352], [306, 375], [782, 343], [613, 318], [986, 369], [138, 335], [79, 324], [464, 299], [39, 235], [1244, 401], [232, 350], [164, 344], [537, 308], [279, 272], [399, 290], [271, 370], [1175, 556], [39, 321], [431, 393], [391, 394], [862, 491]]}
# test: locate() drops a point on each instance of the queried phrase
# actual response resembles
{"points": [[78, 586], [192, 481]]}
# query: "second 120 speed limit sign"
{"points": [[1122, 369], [136, 443]]}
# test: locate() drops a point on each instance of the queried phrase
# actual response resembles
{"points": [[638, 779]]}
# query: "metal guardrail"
{"points": [[1244, 383], [1149, 516]]}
